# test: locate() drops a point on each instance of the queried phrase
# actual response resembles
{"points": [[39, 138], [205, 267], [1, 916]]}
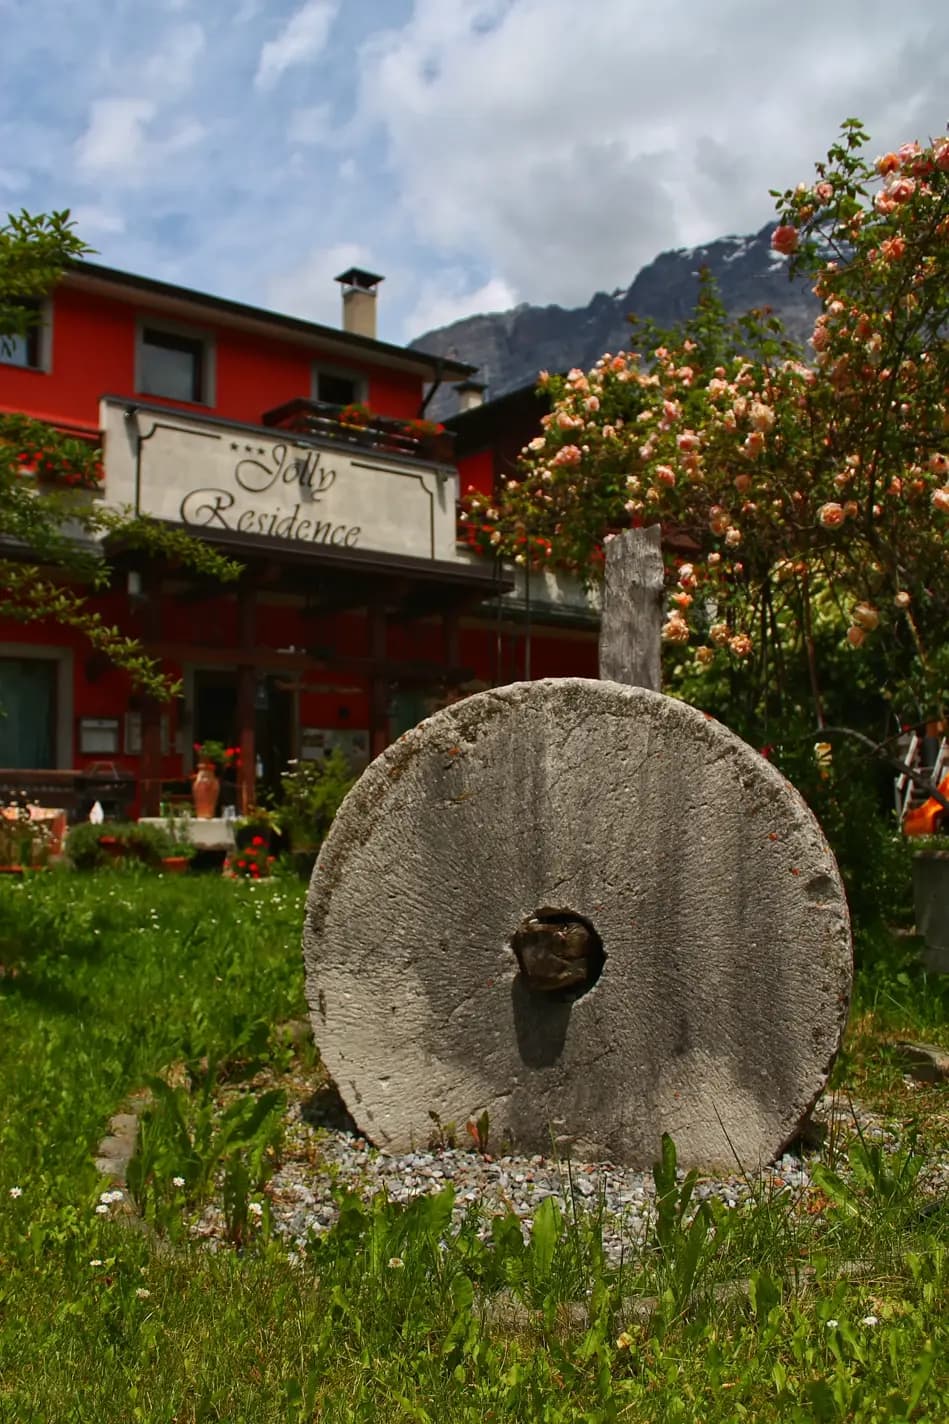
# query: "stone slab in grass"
{"points": [[589, 911]]}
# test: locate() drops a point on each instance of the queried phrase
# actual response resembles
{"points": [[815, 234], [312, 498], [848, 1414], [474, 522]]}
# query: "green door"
{"points": [[28, 712]]}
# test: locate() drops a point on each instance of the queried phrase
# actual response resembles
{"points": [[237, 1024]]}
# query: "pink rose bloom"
{"points": [[855, 636], [824, 192], [939, 464], [742, 483], [941, 153], [754, 444], [591, 403], [569, 422], [733, 537], [761, 416], [704, 656], [665, 475], [784, 239], [718, 520], [688, 441], [676, 630], [888, 163], [568, 455], [902, 189], [830, 516], [719, 634], [820, 337], [537, 443], [865, 616], [682, 600], [892, 248], [941, 498], [740, 645], [686, 575]]}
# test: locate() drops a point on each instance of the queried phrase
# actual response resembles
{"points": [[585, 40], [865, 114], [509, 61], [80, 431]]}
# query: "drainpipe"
{"points": [[437, 369]]}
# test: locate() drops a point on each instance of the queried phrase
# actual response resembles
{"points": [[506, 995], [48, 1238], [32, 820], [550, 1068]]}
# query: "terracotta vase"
{"points": [[205, 789]]}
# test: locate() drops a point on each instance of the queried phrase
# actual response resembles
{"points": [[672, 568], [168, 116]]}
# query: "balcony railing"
{"points": [[355, 425]]}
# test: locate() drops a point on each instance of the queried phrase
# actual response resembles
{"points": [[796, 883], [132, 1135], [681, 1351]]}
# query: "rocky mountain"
{"points": [[510, 347]]}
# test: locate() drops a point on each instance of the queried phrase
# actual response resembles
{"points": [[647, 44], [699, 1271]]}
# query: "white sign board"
{"points": [[237, 479]]}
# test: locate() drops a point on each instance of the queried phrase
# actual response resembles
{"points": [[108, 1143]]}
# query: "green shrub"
{"points": [[88, 846], [313, 792]]}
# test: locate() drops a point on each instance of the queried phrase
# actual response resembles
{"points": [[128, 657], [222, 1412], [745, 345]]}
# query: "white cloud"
{"points": [[116, 144], [171, 65], [301, 39], [564, 155], [449, 299], [308, 290], [91, 220], [310, 125], [115, 138]]}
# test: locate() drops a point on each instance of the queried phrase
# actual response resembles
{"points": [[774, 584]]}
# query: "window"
{"points": [[25, 350], [338, 387], [28, 706], [173, 365]]}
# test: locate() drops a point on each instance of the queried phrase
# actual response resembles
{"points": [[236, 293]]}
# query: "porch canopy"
{"points": [[391, 589]]}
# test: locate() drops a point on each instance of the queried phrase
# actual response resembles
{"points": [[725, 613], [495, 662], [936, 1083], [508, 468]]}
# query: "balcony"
{"points": [[355, 425]]}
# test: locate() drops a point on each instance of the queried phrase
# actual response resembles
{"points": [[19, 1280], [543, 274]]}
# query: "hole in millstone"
{"points": [[559, 953]]}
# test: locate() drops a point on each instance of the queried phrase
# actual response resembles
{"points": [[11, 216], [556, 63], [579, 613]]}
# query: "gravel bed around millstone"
{"points": [[319, 1163]]}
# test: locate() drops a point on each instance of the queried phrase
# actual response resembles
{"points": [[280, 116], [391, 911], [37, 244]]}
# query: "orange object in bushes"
{"points": [[924, 820]]}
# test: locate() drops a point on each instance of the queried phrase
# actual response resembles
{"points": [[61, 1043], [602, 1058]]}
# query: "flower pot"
{"points": [[113, 848], [175, 864], [931, 901], [205, 790]]}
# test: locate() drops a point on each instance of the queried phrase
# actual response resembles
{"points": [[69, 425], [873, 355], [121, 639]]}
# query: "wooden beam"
{"points": [[246, 697], [150, 780], [378, 682]]}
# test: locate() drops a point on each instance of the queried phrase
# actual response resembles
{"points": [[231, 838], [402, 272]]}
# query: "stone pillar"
{"points": [[631, 623]]}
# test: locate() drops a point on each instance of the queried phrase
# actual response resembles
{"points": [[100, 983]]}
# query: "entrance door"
{"points": [[215, 706], [215, 717], [28, 712], [273, 733]]}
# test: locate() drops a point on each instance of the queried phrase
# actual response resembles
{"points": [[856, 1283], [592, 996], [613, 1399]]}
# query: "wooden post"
{"points": [[451, 639], [246, 700], [150, 798], [631, 623]]}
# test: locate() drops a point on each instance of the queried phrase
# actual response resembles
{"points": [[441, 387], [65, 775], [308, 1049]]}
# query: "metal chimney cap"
{"points": [[356, 277]]}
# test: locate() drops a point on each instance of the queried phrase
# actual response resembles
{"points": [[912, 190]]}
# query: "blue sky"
{"points": [[478, 153]]}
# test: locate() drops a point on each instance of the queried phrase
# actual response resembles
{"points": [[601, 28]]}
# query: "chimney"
{"points": [[470, 395], [359, 301]]}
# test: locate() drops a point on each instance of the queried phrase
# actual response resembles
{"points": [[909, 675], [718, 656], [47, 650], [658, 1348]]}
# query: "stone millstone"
{"points": [[595, 825]]}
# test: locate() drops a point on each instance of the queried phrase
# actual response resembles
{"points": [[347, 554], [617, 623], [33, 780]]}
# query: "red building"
{"points": [[357, 611]]}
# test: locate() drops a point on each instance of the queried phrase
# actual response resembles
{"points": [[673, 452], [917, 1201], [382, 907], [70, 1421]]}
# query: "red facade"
{"points": [[307, 646]]}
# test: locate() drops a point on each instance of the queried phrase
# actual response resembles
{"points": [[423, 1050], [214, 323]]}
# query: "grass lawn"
{"points": [[109, 979]]}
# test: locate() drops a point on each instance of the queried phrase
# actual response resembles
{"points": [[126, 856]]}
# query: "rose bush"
{"points": [[804, 497]]}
